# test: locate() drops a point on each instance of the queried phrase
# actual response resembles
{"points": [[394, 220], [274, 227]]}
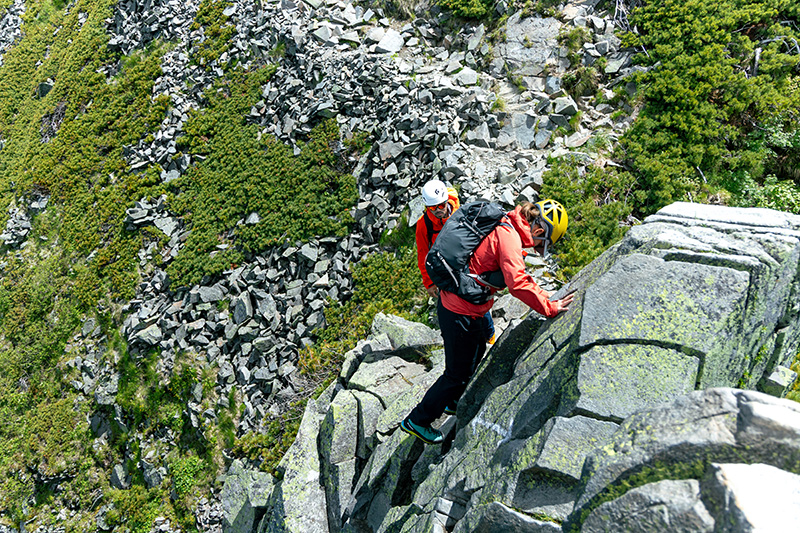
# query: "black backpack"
{"points": [[447, 262]]}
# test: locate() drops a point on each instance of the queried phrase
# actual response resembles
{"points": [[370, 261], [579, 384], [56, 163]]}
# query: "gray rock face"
{"points": [[299, 501], [352, 464], [386, 379], [338, 450], [120, 478], [665, 302], [390, 43], [243, 493], [615, 382], [529, 43], [10, 26], [562, 411], [405, 336], [662, 506], [497, 517], [681, 439]]}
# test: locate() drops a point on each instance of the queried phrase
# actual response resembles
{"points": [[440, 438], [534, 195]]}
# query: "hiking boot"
{"points": [[451, 408], [426, 434]]}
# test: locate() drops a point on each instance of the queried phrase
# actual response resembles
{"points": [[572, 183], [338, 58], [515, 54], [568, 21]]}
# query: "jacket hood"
{"points": [[522, 227]]}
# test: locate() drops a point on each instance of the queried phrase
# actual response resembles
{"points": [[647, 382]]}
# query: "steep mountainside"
{"points": [[581, 422], [208, 202]]}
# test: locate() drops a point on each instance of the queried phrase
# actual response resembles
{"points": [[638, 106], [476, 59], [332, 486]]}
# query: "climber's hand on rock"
{"points": [[563, 303]]}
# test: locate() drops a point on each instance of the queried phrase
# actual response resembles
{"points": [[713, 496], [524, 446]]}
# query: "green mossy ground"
{"points": [[81, 262]]}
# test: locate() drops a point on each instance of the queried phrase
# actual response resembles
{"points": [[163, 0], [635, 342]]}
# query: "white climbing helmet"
{"points": [[434, 193]]}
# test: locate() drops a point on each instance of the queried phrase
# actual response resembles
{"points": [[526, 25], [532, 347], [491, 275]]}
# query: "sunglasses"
{"points": [[439, 206]]}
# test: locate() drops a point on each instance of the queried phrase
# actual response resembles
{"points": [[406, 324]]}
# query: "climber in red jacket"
{"points": [[528, 225]]}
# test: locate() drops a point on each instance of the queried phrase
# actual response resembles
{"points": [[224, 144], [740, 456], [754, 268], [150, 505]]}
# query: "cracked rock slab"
{"points": [[668, 505], [688, 306], [497, 517], [618, 380], [680, 439]]}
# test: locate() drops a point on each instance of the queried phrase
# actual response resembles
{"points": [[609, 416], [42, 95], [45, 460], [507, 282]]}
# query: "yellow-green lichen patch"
{"points": [[647, 299], [567, 441], [617, 380]]}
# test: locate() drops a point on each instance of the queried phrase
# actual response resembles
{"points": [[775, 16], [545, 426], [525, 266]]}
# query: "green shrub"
{"points": [[268, 448], [573, 40], [542, 8], [783, 195], [702, 109], [401, 236], [468, 8], [185, 472], [598, 203], [794, 390], [296, 197], [360, 142], [216, 29], [136, 509], [582, 81]]}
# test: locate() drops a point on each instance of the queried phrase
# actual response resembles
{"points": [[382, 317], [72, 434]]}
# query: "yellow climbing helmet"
{"points": [[554, 217]]}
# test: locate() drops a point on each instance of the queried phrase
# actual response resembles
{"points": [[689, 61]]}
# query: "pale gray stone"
{"points": [[299, 503], [151, 335], [496, 517], [211, 294], [390, 43], [753, 497], [386, 378], [565, 106], [466, 77], [243, 493], [404, 335], [120, 479], [780, 381]]}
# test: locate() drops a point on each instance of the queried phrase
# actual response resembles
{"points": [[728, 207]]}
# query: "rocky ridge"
{"points": [[416, 87], [575, 419], [421, 111]]}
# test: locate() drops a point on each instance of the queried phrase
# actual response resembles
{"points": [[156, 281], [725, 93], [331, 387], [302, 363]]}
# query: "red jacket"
{"points": [[502, 250], [423, 240]]}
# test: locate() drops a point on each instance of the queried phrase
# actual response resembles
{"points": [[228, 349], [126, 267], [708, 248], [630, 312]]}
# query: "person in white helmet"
{"points": [[441, 201]]}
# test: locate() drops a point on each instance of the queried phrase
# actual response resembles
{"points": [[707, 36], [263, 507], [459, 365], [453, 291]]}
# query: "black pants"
{"points": [[464, 345]]}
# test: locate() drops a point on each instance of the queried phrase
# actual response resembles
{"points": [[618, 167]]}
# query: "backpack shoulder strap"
{"points": [[429, 226]]}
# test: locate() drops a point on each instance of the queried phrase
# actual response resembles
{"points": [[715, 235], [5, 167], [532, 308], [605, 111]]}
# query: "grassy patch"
{"points": [[296, 198]]}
